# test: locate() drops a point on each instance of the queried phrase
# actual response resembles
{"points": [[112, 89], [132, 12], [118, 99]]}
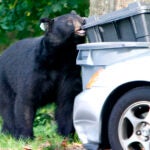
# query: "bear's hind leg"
{"points": [[8, 119], [7, 98], [24, 117]]}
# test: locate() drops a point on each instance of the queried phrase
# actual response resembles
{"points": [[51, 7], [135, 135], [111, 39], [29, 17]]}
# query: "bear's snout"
{"points": [[78, 28]]}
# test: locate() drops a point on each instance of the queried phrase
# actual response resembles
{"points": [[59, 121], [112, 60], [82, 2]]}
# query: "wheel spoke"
{"points": [[132, 118], [129, 141]]}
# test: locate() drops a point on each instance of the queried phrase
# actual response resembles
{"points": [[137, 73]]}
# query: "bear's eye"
{"points": [[70, 23]]}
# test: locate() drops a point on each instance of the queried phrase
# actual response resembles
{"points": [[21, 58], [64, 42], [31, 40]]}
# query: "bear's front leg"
{"points": [[69, 86], [24, 117]]}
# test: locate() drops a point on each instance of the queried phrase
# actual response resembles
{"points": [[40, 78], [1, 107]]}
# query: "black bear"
{"points": [[38, 71]]}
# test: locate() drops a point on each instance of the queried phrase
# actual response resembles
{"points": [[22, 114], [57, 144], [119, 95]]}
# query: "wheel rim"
{"points": [[134, 127]]}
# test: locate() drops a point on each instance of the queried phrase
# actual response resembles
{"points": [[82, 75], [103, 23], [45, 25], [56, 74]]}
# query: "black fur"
{"points": [[38, 71]]}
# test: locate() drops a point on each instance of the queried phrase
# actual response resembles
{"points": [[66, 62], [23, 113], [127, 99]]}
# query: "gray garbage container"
{"points": [[128, 24]]}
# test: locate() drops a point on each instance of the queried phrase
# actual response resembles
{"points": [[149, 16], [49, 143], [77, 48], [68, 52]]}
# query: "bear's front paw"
{"points": [[8, 129]]}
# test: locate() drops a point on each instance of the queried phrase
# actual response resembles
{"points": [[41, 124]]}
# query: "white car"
{"points": [[113, 111]]}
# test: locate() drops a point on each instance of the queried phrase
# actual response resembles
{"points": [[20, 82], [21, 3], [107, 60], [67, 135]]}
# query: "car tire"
{"points": [[129, 122]]}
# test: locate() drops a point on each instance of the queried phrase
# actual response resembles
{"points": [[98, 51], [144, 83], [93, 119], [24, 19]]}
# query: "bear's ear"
{"points": [[73, 12], [46, 24]]}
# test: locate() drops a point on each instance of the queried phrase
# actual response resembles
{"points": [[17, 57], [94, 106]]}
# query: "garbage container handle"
{"points": [[84, 57]]}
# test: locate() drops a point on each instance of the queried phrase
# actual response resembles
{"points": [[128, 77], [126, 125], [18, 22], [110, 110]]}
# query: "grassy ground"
{"points": [[46, 137]]}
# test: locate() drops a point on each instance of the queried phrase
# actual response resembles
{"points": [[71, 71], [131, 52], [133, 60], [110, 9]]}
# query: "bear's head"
{"points": [[64, 28]]}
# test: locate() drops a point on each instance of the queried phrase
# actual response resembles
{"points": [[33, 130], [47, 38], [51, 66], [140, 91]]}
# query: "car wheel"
{"points": [[129, 122]]}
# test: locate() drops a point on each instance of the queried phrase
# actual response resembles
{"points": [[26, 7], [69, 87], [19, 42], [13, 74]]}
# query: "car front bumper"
{"points": [[87, 119]]}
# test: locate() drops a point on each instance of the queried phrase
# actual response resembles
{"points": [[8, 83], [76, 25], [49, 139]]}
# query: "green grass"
{"points": [[46, 137]]}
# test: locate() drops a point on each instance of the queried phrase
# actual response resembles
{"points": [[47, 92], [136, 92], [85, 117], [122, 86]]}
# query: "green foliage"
{"points": [[45, 115], [20, 18]]}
